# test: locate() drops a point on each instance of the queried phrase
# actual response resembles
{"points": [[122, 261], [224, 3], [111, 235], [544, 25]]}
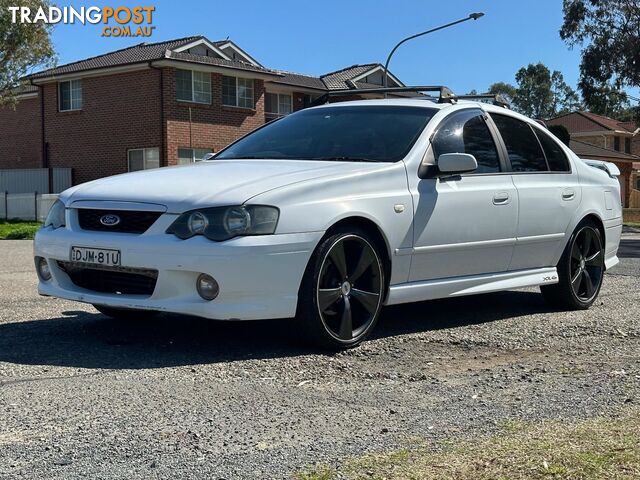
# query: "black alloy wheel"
{"points": [[349, 287], [587, 264], [580, 270], [343, 290]]}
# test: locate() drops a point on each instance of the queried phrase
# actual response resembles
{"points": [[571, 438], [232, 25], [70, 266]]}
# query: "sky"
{"points": [[320, 37]]}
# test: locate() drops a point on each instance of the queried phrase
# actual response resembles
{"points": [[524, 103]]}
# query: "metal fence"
{"points": [[26, 206], [28, 180]]}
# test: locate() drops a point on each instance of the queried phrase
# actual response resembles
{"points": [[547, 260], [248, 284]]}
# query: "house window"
{"points": [[277, 105], [70, 95], [237, 92], [616, 144], [192, 86], [627, 145], [190, 155], [143, 158]]}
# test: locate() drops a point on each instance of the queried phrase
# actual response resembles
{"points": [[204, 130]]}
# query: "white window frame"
{"points": [[193, 153], [253, 93], [278, 113], [144, 158], [72, 97], [193, 87]]}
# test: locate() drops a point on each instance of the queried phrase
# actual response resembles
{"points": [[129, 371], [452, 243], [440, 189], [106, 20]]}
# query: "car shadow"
{"points": [[90, 340]]}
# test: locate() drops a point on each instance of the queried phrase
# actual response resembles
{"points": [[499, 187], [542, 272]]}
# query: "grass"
{"points": [[17, 230], [632, 224], [599, 448]]}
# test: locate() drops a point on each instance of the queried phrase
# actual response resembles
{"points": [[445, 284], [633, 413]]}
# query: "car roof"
{"points": [[430, 103]]}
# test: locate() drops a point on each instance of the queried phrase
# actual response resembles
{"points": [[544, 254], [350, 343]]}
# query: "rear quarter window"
{"points": [[556, 158]]}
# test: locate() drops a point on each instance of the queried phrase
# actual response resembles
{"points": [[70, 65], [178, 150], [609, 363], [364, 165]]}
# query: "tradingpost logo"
{"points": [[118, 21]]}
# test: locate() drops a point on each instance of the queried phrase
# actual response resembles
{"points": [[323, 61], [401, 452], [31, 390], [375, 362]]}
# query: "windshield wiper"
{"points": [[344, 159]]}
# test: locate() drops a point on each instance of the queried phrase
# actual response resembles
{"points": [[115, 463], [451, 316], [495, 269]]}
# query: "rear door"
{"points": [[548, 192]]}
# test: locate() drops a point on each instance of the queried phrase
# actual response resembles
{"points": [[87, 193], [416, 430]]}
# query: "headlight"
{"points": [[55, 217], [197, 223], [223, 223]]}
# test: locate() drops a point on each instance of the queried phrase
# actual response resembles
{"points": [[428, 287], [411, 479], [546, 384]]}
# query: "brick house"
{"points": [[154, 105], [602, 138]]}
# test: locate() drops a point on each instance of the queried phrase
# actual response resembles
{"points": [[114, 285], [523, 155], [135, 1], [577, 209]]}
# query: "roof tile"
{"points": [[586, 150], [581, 122], [234, 64], [300, 80], [338, 80], [143, 52], [147, 52]]}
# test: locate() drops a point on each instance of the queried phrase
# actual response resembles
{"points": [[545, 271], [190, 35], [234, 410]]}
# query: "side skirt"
{"points": [[471, 285]]}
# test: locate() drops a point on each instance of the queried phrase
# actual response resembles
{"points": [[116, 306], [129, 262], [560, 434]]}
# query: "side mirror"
{"points": [[208, 156], [452, 163]]}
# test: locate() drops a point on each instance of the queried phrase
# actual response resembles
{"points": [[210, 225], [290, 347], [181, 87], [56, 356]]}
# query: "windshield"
{"points": [[348, 133]]}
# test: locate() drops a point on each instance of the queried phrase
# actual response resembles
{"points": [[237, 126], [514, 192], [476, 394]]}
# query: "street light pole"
{"points": [[472, 16]]}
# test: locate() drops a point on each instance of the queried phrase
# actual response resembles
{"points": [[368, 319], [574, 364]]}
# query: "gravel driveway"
{"points": [[83, 396]]}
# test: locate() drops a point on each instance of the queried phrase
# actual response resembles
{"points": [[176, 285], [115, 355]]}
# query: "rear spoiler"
{"points": [[611, 168]]}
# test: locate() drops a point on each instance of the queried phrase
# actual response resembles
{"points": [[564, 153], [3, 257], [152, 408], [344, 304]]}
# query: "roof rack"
{"points": [[497, 98], [445, 95]]}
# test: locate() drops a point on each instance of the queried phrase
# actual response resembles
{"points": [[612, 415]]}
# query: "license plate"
{"points": [[97, 256]]}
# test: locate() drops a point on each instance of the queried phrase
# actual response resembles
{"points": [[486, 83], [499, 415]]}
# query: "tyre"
{"points": [[124, 313], [342, 291], [580, 270]]}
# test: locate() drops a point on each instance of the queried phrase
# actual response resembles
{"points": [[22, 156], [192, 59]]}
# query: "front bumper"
{"points": [[259, 276]]}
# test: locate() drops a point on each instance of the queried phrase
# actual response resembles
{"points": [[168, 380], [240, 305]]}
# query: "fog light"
{"points": [[42, 268], [207, 287]]}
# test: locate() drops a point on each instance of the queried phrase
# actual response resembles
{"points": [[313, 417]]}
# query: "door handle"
{"points": [[501, 198], [568, 194]]}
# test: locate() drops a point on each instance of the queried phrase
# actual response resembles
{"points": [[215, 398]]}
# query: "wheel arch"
{"points": [[595, 218], [375, 231]]}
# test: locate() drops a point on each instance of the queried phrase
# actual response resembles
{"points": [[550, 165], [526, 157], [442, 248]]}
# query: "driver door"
{"points": [[464, 224]]}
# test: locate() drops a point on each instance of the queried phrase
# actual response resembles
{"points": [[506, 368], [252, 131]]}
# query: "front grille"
{"points": [[131, 221], [117, 280]]}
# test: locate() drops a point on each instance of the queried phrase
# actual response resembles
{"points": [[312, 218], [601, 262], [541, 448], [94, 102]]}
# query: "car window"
{"points": [[364, 132], [467, 132], [556, 158], [522, 145]]}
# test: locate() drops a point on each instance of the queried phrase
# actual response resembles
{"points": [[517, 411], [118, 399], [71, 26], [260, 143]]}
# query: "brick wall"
{"points": [[214, 126], [119, 112], [21, 139], [635, 145], [631, 215], [298, 101]]}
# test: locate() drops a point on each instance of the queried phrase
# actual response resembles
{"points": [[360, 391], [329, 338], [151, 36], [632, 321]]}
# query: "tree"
{"points": [[23, 47], [609, 101], [533, 94], [539, 93], [610, 29], [565, 98]]}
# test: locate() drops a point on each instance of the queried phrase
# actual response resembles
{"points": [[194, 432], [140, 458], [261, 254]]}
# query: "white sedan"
{"points": [[332, 212]]}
